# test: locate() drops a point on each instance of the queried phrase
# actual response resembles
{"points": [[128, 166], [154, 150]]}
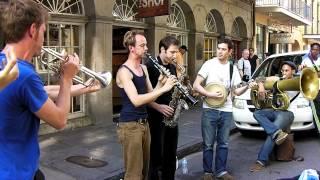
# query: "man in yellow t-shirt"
{"points": [[179, 58]]}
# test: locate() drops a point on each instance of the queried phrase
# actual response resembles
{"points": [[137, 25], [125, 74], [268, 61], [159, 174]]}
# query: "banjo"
{"points": [[215, 86]]}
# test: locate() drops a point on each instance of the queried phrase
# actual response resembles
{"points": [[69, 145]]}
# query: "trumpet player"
{"points": [[273, 121], [136, 92], [25, 101]]}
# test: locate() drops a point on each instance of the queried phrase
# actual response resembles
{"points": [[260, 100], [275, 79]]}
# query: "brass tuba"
{"points": [[307, 83], [55, 64]]}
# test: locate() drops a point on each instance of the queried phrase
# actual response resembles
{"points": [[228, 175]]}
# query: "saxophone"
{"points": [[177, 102], [182, 88]]}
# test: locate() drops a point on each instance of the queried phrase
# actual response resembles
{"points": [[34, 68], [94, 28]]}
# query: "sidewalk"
{"points": [[101, 142]]}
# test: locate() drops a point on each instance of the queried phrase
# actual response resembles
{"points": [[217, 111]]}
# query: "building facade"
{"points": [[94, 29], [278, 25], [312, 32]]}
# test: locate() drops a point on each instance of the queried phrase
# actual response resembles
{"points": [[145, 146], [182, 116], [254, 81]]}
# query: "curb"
{"points": [[194, 148]]}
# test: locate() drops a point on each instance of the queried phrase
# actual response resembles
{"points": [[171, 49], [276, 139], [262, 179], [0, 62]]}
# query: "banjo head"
{"points": [[216, 102]]}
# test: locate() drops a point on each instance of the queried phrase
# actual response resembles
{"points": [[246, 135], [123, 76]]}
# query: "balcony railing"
{"points": [[297, 7]]}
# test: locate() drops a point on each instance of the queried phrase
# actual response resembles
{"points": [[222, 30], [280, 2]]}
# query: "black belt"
{"points": [[140, 121]]}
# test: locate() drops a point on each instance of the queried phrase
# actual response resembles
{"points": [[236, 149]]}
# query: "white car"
{"points": [[243, 108]]}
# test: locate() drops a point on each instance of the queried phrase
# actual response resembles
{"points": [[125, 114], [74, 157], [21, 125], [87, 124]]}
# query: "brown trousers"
{"points": [[135, 140]]}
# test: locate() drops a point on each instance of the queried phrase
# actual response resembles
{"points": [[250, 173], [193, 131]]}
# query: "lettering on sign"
{"points": [[281, 38], [150, 8], [277, 26]]}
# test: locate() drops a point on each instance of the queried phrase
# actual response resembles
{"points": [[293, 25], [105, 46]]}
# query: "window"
{"points": [[210, 25], [62, 35], [176, 18], [126, 10], [210, 46], [235, 29], [63, 6]]}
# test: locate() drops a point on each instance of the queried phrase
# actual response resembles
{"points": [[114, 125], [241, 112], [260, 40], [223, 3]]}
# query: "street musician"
{"points": [[217, 121], [274, 121]]}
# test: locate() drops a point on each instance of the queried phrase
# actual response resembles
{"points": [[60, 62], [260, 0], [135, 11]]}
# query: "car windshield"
{"points": [[271, 66]]}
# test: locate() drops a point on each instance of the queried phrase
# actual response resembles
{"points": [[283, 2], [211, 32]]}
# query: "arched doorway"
{"points": [[177, 23], [184, 32], [124, 14], [239, 36], [214, 26]]}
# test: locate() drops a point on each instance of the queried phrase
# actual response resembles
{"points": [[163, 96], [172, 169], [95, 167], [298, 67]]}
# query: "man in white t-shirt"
{"points": [[216, 122], [312, 59], [244, 66]]}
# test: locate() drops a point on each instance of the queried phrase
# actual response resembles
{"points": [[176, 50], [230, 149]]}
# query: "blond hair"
{"points": [[129, 39]]}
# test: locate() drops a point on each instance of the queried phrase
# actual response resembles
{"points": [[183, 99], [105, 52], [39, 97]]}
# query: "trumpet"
{"points": [[183, 89], [55, 64]]}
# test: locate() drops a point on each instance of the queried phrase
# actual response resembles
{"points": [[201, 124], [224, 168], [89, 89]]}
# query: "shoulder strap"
{"points": [[291, 100], [243, 66], [144, 74], [314, 65], [231, 72], [127, 68]]}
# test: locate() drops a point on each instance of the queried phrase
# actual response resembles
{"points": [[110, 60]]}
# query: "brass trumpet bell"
{"points": [[307, 83]]}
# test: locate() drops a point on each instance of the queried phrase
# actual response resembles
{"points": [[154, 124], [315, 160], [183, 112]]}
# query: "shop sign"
{"points": [[277, 26], [281, 38], [150, 8]]}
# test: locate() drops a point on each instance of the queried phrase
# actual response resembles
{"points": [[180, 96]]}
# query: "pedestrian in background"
{"points": [[244, 66], [254, 60], [179, 58], [312, 59]]}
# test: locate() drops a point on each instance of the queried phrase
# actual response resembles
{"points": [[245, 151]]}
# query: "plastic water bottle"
{"points": [[184, 165]]}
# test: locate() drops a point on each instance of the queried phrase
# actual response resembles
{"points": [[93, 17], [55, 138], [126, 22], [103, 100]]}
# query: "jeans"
{"points": [[135, 140], [215, 126], [271, 121]]}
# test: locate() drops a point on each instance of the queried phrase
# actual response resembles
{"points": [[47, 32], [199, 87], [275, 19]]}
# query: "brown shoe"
{"points": [[280, 137], [256, 167], [208, 176], [226, 176]]}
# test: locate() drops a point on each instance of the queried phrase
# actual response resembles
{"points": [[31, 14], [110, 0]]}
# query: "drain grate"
{"points": [[86, 161]]}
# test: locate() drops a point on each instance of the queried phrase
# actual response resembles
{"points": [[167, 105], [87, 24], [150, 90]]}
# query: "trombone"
{"points": [[55, 64]]}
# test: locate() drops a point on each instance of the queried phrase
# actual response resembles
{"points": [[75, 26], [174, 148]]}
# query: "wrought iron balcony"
{"points": [[295, 12]]}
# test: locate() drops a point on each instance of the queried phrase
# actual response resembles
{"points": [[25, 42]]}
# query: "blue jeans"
{"points": [[215, 126], [271, 120]]}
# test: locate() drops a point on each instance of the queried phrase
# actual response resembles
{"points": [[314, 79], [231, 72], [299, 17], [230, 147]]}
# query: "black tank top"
{"points": [[129, 112]]}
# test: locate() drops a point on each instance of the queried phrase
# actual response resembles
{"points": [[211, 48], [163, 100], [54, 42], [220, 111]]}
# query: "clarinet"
{"points": [[183, 89]]}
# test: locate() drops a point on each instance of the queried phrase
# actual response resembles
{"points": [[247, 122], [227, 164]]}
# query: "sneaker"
{"points": [[208, 176], [257, 167], [280, 137], [226, 176]]}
